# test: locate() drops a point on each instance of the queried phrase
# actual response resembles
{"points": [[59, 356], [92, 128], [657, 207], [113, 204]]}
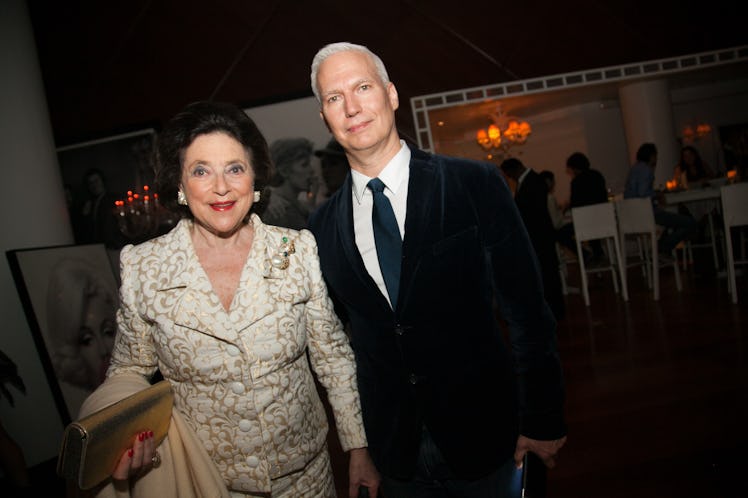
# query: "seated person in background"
{"points": [[554, 210], [587, 187], [640, 183], [531, 197], [691, 170]]}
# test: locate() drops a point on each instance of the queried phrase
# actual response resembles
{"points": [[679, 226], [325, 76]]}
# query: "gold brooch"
{"points": [[280, 259]]}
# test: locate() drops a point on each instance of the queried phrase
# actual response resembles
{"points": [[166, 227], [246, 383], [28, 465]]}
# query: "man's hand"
{"points": [[362, 472], [546, 450]]}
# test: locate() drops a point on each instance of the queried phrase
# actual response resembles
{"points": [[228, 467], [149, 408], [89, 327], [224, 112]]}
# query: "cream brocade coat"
{"points": [[241, 378]]}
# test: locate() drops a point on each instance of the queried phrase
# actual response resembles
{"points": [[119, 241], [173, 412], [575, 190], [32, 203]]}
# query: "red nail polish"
{"points": [[129, 452], [150, 433], [141, 436]]}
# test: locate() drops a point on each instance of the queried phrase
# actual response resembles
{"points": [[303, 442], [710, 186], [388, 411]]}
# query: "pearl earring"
{"points": [[181, 198], [258, 195]]}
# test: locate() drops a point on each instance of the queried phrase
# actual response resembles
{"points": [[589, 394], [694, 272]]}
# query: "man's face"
{"points": [[358, 108]]}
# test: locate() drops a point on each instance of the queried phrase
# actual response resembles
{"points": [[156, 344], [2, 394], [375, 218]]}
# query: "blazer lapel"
{"points": [[344, 217], [196, 306]]}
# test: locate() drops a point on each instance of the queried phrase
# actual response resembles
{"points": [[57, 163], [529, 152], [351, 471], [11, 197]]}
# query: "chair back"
{"points": [[635, 216], [595, 221], [735, 204]]}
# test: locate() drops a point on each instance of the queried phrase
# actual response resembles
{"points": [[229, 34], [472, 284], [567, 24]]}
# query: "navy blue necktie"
{"points": [[386, 238]]}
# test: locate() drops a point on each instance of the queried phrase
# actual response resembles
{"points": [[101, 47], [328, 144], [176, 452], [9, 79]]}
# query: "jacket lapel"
{"points": [[344, 217]]}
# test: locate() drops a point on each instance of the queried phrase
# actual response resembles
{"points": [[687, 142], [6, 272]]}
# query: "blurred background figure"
{"points": [[531, 197], [587, 187], [691, 170], [554, 209], [96, 220], [334, 166], [294, 187], [81, 308]]}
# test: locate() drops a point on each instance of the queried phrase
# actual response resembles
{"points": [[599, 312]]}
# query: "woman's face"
{"points": [[218, 181], [96, 337]]}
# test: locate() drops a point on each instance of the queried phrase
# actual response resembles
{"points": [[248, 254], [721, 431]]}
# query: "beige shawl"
{"points": [[186, 470]]}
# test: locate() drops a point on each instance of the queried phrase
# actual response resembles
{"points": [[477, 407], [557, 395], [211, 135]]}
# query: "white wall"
{"points": [[292, 118]]}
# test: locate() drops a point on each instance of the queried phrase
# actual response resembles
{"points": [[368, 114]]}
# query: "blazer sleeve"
{"points": [[519, 293], [133, 350], [331, 354]]}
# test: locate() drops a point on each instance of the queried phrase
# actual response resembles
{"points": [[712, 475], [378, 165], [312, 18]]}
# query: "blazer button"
{"points": [[253, 461], [245, 425], [237, 388], [413, 379], [399, 330]]}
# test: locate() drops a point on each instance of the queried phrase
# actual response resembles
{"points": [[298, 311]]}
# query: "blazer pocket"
{"points": [[458, 241]]}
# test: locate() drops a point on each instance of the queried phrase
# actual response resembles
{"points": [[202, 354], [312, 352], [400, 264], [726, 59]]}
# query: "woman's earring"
{"points": [[258, 195], [181, 198]]}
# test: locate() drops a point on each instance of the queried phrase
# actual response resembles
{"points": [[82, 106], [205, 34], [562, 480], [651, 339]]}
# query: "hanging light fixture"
{"points": [[503, 133]]}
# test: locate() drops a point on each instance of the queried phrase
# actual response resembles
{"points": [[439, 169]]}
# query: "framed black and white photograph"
{"points": [[70, 298], [99, 172]]}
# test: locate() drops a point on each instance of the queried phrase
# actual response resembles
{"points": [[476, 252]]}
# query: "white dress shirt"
{"points": [[395, 178]]}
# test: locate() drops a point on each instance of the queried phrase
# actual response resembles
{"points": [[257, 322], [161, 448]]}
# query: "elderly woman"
{"points": [[232, 312], [296, 183]]}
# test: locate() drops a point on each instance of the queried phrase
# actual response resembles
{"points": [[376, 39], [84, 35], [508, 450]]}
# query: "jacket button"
{"points": [[245, 425], [237, 388], [399, 330], [253, 461], [413, 379]]}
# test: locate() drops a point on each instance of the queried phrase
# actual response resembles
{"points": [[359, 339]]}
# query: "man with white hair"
{"points": [[417, 251]]}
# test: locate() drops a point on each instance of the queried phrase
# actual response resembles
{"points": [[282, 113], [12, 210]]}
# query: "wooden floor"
{"points": [[657, 393]]}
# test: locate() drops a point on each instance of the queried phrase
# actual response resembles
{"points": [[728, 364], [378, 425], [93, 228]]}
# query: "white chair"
{"points": [[593, 222], [734, 213], [565, 258], [636, 217]]}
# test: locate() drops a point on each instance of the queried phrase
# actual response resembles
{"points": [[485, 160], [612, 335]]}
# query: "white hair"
{"points": [[334, 48]]}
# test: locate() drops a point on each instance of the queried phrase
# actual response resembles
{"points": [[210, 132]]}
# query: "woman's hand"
{"points": [[138, 459]]}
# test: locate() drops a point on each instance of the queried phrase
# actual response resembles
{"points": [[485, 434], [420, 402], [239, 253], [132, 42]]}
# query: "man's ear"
{"points": [[392, 95]]}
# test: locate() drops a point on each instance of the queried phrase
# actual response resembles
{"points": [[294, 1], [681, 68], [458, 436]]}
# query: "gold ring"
{"points": [[156, 460]]}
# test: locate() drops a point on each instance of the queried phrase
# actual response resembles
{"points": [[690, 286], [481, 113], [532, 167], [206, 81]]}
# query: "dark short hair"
{"points": [[645, 152], [512, 166], [203, 118], [578, 162]]}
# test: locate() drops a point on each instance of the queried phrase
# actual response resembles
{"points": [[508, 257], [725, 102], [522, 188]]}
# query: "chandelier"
{"points": [[503, 133], [692, 133], [140, 216]]}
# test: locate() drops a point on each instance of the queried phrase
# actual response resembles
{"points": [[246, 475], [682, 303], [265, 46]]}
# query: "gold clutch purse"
{"points": [[92, 446]]}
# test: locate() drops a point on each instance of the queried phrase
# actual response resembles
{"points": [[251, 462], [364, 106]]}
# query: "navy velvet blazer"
{"points": [[440, 359]]}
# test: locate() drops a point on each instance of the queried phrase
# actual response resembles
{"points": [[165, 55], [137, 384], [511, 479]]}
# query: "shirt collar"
{"points": [[391, 175], [523, 176]]}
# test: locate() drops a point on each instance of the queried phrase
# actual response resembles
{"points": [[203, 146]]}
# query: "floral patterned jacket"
{"points": [[241, 378]]}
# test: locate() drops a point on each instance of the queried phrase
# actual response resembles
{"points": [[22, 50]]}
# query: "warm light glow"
{"points": [[732, 175], [140, 215], [692, 133], [503, 133], [671, 184]]}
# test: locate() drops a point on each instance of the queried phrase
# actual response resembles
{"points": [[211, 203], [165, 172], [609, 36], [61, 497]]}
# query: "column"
{"points": [[33, 213], [648, 117]]}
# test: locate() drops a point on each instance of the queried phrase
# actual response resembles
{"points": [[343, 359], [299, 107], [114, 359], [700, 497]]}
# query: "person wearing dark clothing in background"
{"points": [[531, 197], [587, 188]]}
